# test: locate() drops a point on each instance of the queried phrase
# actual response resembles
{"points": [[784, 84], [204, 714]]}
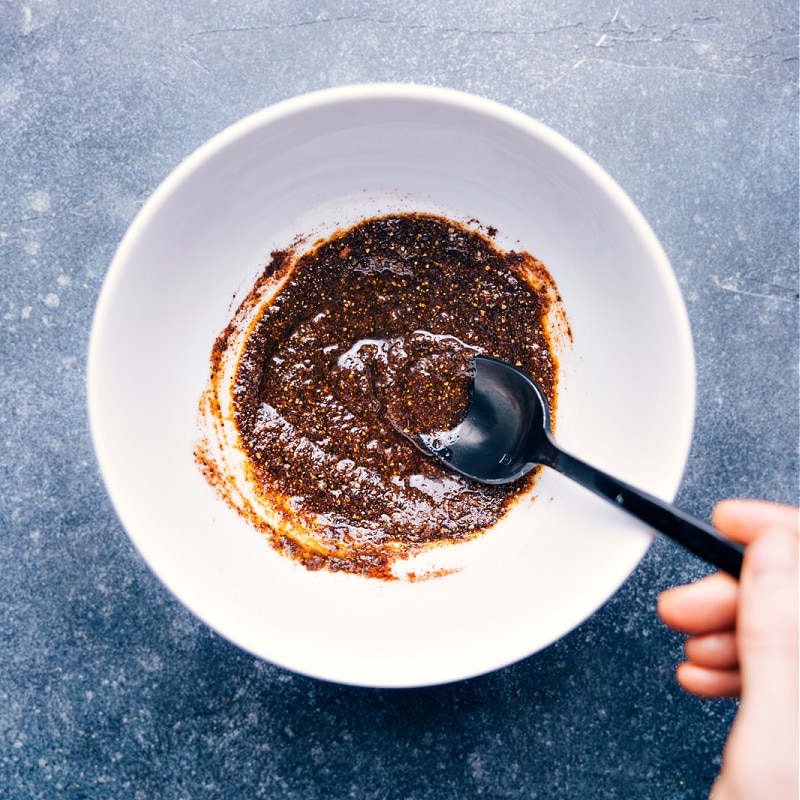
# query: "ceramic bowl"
{"points": [[311, 165]]}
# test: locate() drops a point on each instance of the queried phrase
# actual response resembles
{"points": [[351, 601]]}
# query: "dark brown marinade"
{"points": [[368, 343]]}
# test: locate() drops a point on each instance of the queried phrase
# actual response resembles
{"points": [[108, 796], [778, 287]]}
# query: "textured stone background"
{"points": [[108, 687]]}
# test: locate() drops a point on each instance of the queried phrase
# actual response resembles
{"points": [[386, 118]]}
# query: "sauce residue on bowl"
{"points": [[338, 358]]}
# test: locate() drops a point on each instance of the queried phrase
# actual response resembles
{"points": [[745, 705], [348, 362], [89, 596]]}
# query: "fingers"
{"points": [[744, 634], [707, 682], [743, 520], [713, 651], [707, 611], [707, 606]]}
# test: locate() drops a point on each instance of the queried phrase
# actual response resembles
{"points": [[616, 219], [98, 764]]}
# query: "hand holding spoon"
{"points": [[506, 434]]}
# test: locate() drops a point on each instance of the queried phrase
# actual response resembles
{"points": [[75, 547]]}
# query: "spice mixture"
{"points": [[367, 344]]}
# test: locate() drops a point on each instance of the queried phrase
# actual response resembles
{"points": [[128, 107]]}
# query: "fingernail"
{"points": [[773, 556]]}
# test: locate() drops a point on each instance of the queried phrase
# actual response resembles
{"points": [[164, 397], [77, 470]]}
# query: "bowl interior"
{"points": [[305, 168]]}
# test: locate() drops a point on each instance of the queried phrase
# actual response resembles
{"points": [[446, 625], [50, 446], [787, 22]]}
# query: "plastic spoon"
{"points": [[506, 434]]}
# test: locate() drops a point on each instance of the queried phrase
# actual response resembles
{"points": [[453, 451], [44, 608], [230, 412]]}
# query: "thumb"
{"points": [[766, 626]]}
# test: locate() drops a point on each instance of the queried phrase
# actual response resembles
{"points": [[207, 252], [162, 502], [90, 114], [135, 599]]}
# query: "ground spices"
{"points": [[367, 344]]}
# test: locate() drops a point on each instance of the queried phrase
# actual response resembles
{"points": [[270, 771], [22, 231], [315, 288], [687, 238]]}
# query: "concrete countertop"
{"points": [[109, 688]]}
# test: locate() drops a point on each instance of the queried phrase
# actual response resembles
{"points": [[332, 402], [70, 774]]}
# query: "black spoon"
{"points": [[506, 434]]}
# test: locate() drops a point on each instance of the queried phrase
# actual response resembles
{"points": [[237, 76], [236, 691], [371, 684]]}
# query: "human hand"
{"points": [[743, 640]]}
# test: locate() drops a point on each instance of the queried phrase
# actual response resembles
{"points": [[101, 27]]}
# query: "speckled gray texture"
{"points": [[108, 687]]}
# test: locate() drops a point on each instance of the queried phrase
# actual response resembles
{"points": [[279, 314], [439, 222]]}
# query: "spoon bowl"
{"points": [[506, 434], [508, 414]]}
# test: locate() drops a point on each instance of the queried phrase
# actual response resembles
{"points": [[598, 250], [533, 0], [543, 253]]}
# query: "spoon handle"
{"points": [[696, 536]]}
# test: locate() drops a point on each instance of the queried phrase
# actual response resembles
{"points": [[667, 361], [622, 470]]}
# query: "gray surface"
{"points": [[108, 687]]}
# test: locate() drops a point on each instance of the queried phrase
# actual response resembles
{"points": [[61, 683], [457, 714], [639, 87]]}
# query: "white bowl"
{"points": [[310, 165]]}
